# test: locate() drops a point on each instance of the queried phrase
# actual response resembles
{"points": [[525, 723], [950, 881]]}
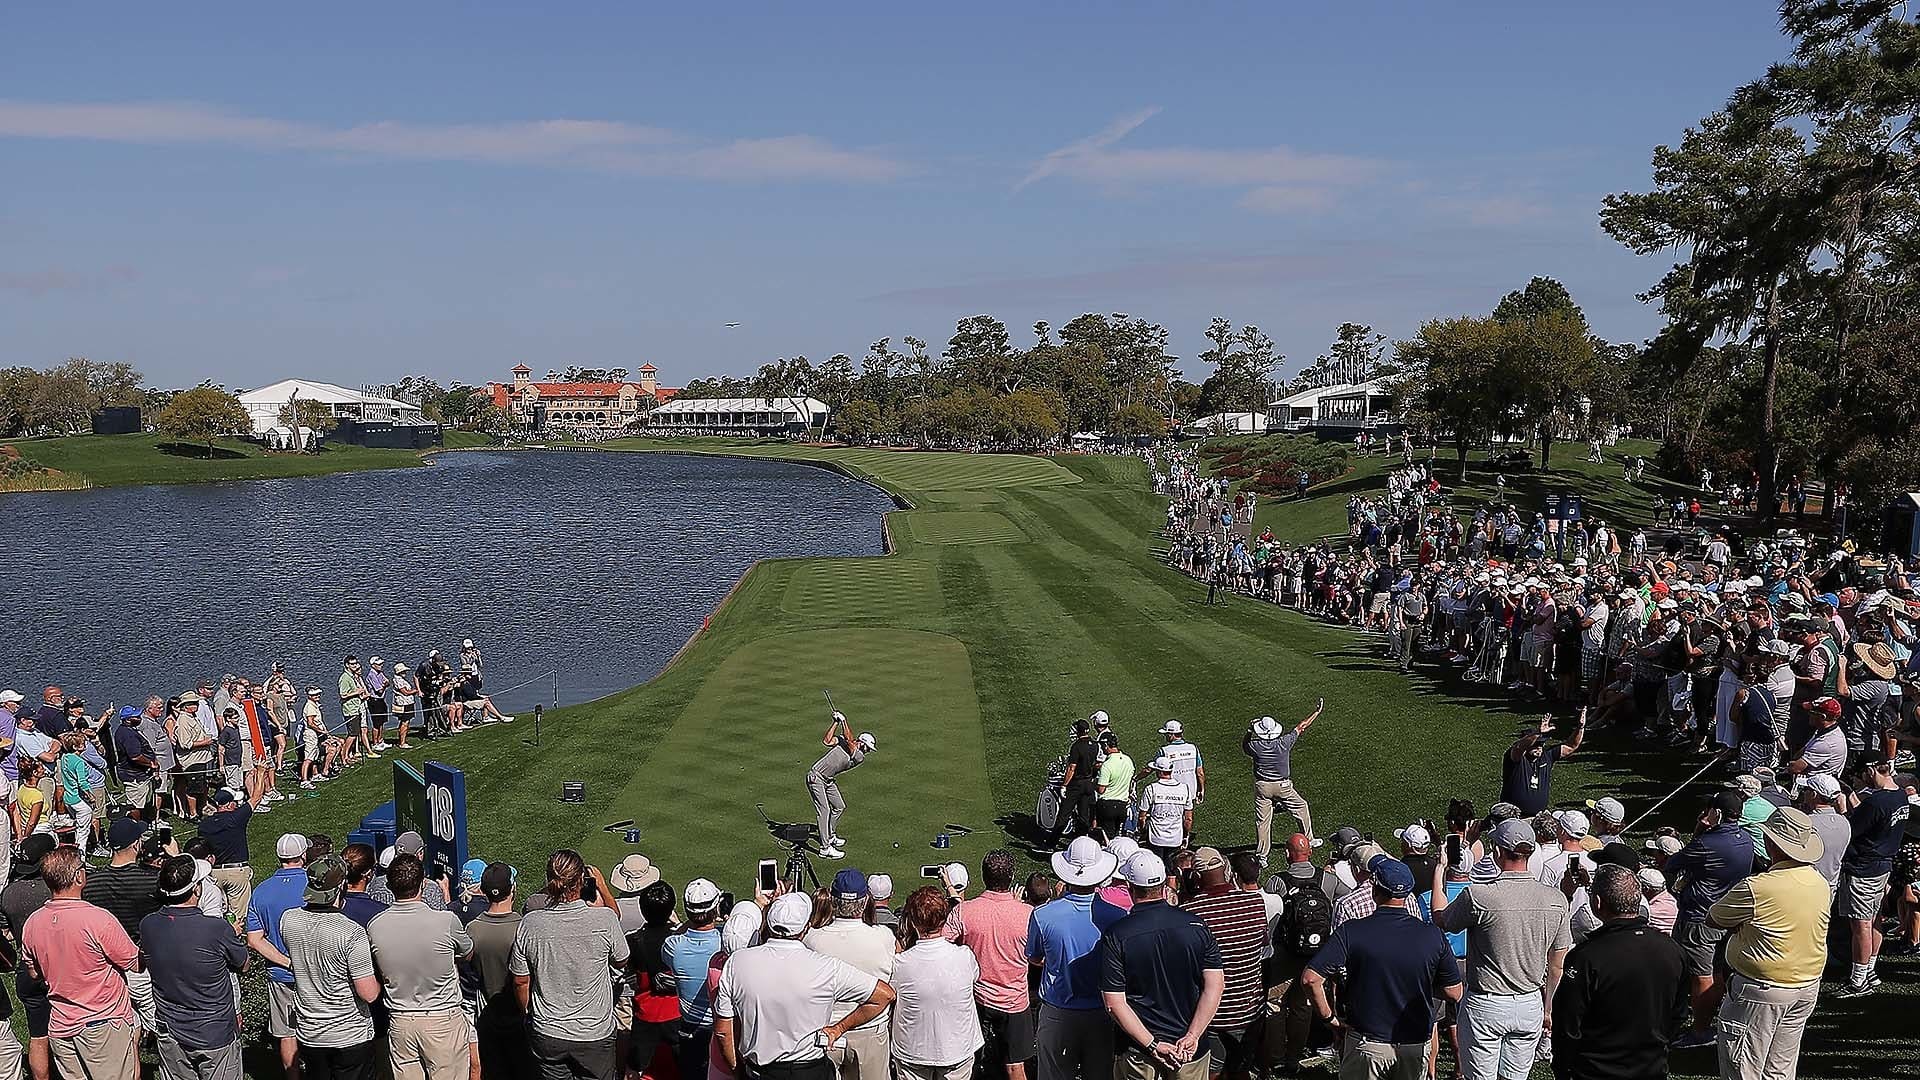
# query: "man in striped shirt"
{"points": [[1238, 921]]}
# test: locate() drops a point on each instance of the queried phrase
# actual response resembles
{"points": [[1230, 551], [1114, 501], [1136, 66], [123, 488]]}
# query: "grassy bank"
{"points": [[1021, 595], [116, 460]]}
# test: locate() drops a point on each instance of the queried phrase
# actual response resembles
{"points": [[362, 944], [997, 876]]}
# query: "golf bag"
{"points": [[1046, 808]]}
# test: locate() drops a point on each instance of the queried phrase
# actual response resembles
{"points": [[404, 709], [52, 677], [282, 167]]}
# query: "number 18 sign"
{"points": [[446, 818]]}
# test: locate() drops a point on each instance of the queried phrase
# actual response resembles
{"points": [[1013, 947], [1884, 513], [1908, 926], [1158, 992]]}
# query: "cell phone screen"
{"points": [[769, 875]]}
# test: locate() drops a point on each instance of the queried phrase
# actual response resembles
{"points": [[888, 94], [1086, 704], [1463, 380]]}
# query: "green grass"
{"points": [[968, 661], [115, 460]]}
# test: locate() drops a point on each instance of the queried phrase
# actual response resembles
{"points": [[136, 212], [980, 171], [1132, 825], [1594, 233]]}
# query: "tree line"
{"points": [[1790, 213]]}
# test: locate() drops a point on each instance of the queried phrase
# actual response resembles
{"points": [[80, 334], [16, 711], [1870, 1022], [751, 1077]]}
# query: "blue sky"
{"points": [[355, 192]]}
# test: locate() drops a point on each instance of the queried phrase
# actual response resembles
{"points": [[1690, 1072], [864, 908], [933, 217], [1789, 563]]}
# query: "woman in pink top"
{"points": [[1116, 892]]}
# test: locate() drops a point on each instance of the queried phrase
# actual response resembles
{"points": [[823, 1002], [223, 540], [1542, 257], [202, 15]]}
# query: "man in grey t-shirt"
{"points": [[415, 948], [563, 963], [845, 753], [333, 977], [1517, 940], [1272, 752]]}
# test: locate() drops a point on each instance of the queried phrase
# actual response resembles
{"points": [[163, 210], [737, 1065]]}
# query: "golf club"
{"points": [[1683, 786]]}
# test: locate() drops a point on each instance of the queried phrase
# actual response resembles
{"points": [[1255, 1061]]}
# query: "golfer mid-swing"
{"points": [[846, 752]]}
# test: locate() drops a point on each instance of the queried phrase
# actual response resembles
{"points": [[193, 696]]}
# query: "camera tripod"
{"points": [[799, 864]]}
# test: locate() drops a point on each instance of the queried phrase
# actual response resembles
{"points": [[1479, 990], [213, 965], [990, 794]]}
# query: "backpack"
{"points": [[1308, 919]]}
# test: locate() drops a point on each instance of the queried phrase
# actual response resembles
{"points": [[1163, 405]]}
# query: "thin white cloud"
{"points": [[1280, 178], [597, 145], [1065, 158]]}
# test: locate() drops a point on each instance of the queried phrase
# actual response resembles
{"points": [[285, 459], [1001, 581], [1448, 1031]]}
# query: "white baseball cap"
{"points": [[1574, 822], [1122, 848], [1144, 870], [1609, 809], [375, 661], [1099, 718], [290, 846], [700, 894], [954, 874], [1161, 764], [1415, 837], [865, 741], [10, 697], [880, 886], [1652, 878], [1821, 784], [1665, 845], [466, 643], [1171, 727], [790, 914], [387, 855]]}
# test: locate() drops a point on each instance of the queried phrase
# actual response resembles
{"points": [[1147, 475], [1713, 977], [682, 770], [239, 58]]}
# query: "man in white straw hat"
{"points": [[1075, 1036], [1271, 749]]}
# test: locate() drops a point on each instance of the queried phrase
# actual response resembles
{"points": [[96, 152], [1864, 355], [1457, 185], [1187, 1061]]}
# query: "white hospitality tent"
{"points": [[697, 414], [1230, 423], [264, 404]]}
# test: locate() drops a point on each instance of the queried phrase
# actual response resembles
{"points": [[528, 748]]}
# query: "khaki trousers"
{"points": [[863, 1054], [1133, 1064], [428, 1046], [102, 1052], [1366, 1059], [962, 1071], [237, 883], [1265, 794], [1760, 1028]]}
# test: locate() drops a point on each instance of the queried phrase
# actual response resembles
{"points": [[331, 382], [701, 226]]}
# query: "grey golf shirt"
{"points": [[569, 951], [415, 947], [1273, 758], [1512, 922], [837, 760]]}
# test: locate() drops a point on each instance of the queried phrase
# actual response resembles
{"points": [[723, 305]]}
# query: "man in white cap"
{"points": [[283, 891], [1517, 942], [1075, 1038], [1609, 814], [844, 752], [1166, 811], [1188, 769], [773, 1007], [1161, 978], [1271, 749], [470, 657], [687, 955], [1818, 796]]}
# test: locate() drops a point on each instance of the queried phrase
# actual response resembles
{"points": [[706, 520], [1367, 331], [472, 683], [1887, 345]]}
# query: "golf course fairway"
{"points": [[1022, 593]]}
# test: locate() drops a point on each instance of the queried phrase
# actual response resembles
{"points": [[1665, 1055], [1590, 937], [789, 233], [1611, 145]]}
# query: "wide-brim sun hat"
{"points": [[1084, 862], [1875, 657], [634, 873], [1793, 833]]}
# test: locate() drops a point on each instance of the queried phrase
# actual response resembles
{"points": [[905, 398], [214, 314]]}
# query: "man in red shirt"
{"points": [[83, 954], [994, 925]]}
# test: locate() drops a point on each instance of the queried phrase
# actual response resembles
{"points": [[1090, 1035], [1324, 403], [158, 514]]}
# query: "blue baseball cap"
{"points": [[470, 873], [128, 712], [1391, 875], [850, 884], [124, 833]]}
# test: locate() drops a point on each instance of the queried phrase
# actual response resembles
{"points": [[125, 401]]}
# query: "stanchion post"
{"points": [[537, 709]]}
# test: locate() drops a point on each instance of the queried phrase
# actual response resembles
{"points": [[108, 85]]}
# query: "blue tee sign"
{"points": [[446, 832]]}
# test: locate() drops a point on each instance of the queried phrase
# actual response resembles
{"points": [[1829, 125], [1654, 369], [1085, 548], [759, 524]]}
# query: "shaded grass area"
{"points": [[968, 661], [114, 460], [1603, 489]]}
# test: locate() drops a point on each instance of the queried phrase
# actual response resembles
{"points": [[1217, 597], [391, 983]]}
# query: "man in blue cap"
{"points": [[870, 950], [1396, 966]]}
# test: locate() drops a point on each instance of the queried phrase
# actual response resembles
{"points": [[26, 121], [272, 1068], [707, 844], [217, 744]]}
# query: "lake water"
{"points": [[599, 565]]}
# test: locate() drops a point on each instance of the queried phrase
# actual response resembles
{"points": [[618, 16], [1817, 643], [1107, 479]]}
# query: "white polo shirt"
{"points": [[780, 994], [934, 1021], [870, 949]]}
